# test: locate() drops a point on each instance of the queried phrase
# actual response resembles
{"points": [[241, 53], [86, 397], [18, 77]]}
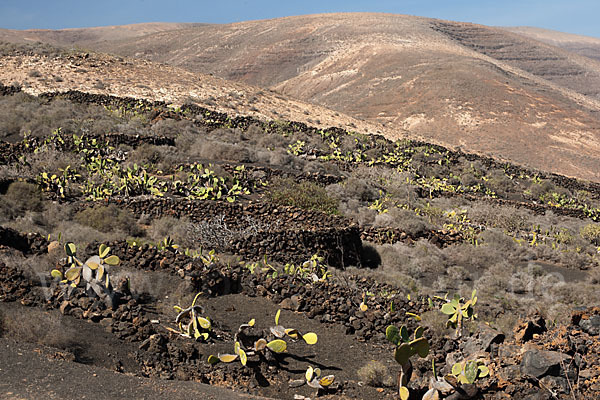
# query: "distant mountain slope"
{"points": [[553, 64], [483, 89], [583, 45], [81, 36]]}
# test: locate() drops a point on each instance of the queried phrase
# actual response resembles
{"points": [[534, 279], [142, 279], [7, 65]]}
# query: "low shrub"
{"points": [[82, 235], [539, 189], [307, 195], [267, 140], [497, 240], [405, 220], [354, 188], [280, 157], [504, 218], [134, 125], [217, 150], [108, 219], [499, 182], [179, 230], [591, 232], [7, 210], [23, 113], [352, 208], [376, 374], [24, 197], [175, 128], [145, 154]]}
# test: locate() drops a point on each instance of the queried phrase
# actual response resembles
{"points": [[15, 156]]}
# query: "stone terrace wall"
{"points": [[285, 234]]}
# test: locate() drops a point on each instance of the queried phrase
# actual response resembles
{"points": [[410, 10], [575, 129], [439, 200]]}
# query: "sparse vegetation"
{"points": [[245, 346]]}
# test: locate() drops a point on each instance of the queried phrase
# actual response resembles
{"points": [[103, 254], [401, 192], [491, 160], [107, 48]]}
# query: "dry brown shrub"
{"points": [[376, 374]]}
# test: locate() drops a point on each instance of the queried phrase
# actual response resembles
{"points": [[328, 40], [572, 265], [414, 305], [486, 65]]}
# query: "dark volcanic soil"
{"points": [[35, 371]]}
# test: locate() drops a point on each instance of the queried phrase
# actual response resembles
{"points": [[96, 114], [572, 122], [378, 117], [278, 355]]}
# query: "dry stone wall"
{"points": [[285, 234]]}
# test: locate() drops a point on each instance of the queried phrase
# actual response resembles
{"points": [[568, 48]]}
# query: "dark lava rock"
{"points": [[588, 319], [538, 395], [511, 373], [291, 303], [483, 341], [157, 344], [556, 384], [538, 363], [525, 330], [507, 352], [591, 325], [65, 307], [464, 392]]}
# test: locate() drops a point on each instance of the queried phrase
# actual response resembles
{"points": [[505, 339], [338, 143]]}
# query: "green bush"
{"points": [[307, 195]]}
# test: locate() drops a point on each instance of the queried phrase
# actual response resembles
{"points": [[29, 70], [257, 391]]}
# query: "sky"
{"points": [[574, 16]]}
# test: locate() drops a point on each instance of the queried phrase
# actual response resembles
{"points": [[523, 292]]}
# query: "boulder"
{"points": [[538, 363]]}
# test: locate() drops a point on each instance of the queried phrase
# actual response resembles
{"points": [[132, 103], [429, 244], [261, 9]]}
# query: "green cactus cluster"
{"points": [[314, 379], [469, 371], [94, 272], [458, 309], [273, 343], [406, 347], [191, 323], [59, 183], [242, 353], [102, 175], [281, 332]]}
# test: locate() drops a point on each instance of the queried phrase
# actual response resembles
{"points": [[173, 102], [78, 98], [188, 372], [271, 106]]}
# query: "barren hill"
{"points": [[583, 45], [483, 89]]}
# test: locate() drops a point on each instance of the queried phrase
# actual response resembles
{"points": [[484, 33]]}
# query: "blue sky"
{"points": [[575, 16]]}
